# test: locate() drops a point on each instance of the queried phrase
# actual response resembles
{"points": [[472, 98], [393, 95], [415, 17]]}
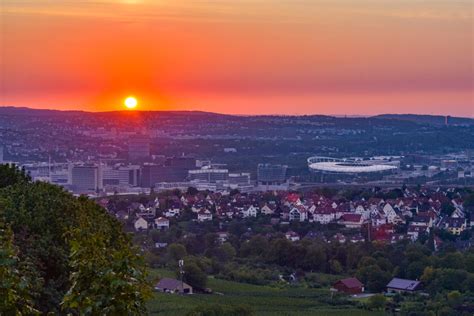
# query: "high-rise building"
{"points": [[86, 178], [138, 147], [269, 174], [1, 153]]}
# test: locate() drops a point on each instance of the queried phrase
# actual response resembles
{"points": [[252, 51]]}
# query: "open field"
{"points": [[264, 300]]}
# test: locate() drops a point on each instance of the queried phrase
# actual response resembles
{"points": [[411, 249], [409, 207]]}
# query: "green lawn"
{"points": [[264, 300]]}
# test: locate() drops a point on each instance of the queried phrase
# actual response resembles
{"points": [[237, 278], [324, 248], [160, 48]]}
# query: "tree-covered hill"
{"points": [[63, 255]]}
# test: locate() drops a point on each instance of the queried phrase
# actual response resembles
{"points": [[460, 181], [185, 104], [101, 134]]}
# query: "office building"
{"points": [[269, 174], [86, 178], [152, 174], [208, 175], [174, 169], [121, 175], [239, 178]]}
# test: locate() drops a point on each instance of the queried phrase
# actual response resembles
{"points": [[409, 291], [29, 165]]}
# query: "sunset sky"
{"points": [[240, 56]]}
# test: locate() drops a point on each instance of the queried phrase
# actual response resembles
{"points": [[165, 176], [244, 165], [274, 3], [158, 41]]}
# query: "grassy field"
{"points": [[264, 300]]}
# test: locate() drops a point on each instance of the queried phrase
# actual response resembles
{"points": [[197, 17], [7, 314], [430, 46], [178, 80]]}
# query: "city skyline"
{"points": [[240, 57]]}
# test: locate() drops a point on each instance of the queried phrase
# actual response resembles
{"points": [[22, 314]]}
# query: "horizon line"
{"points": [[234, 114]]}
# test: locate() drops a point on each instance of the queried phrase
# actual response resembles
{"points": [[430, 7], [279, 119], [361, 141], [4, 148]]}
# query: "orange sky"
{"points": [[240, 56]]}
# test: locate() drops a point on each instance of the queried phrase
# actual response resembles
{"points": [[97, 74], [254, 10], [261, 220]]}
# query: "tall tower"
{"points": [[1, 154]]}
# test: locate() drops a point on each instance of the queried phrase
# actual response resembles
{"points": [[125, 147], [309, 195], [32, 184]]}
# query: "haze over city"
{"points": [[240, 57]]}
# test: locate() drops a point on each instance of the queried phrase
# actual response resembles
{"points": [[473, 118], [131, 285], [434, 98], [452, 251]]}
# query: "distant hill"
{"points": [[428, 119], [24, 111], [415, 118]]}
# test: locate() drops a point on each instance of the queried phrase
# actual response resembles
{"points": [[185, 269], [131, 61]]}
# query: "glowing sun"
{"points": [[130, 103]]}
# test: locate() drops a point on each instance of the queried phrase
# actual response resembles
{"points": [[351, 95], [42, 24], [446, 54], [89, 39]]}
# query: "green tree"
{"points": [[315, 259], [225, 252], [194, 275], [280, 252], [255, 247], [376, 302], [15, 290], [469, 201], [335, 266], [176, 252], [454, 298], [373, 277], [415, 270], [10, 175], [108, 275], [69, 250]]}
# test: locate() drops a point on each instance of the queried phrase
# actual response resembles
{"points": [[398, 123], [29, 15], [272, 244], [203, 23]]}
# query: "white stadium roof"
{"points": [[344, 167]]}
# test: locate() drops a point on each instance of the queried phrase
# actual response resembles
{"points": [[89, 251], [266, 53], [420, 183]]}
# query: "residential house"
{"points": [[340, 238], [159, 245], [292, 236], [250, 211], [390, 214], [140, 224], [172, 212], [162, 223], [458, 213], [169, 285], [222, 237], [360, 209], [298, 213], [148, 212], [351, 220], [456, 225], [349, 286], [397, 285], [204, 215], [122, 215], [422, 220], [267, 210], [378, 220], [415, 231], [323, 216], [394, 238], [357, 238]]}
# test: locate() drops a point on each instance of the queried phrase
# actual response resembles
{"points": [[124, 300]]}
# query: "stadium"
{"points": [[328, 169]]}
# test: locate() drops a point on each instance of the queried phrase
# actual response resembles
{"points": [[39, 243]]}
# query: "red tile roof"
{"points": [[351, 283]]}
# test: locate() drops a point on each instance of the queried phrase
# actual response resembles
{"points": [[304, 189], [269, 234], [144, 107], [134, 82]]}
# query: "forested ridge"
{"points": [[63, 255]]}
